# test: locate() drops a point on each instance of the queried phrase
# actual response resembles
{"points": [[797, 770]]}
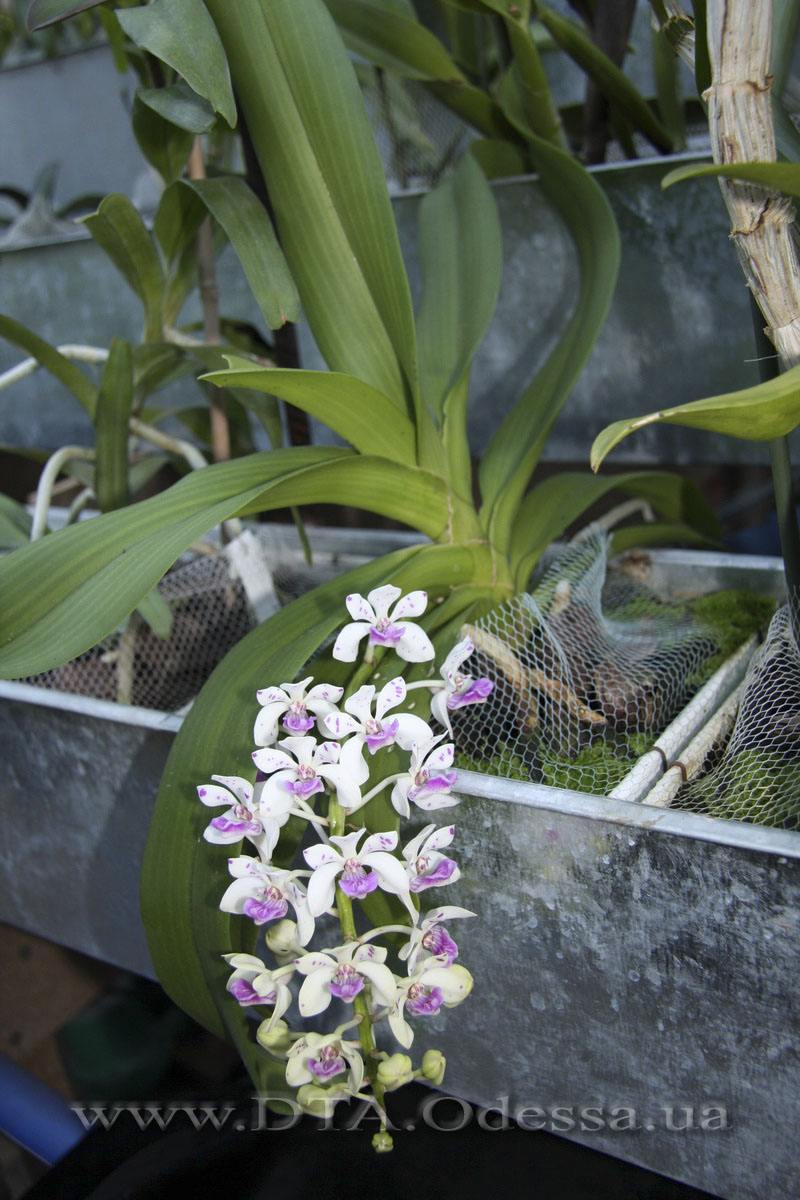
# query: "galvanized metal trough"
{"points": [[635, 967]]}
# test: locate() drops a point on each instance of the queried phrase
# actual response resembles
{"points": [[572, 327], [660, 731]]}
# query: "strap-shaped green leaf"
{"points": [[552, 506], [63, 594], [182, 34], [461, 262], [119, 229], [393, 40], [111, 427], [249, 230], [612, 82], [762, 413], [183, 876], [783, 177], [15, 523], [48, 357], [306, 116], [358, 413], [517, 444]]}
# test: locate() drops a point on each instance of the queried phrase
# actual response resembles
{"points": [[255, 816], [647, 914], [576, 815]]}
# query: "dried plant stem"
{"points": [[762, 221]]}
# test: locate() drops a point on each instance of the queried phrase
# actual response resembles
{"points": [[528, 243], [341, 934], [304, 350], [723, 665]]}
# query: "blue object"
{"points": [[35, 1116]]}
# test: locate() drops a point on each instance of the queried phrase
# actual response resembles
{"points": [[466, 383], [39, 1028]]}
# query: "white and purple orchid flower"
{"points": [[428, 780], [457, 689], [430, 938], [359, 871], [253, 983], [264, 893], [242, 819], [342, 973], [295, 708], [372, 619], [423, 994], [426, 866], [319, 1057], [364, 719], [302, 768]]}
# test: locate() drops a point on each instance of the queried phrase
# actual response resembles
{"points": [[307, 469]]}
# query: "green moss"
{"points": [[749, 786], [596, 768], [503, 762]]}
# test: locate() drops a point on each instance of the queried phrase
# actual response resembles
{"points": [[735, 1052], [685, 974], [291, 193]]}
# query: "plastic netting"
{"points": [[756, 776], [588, 669]]}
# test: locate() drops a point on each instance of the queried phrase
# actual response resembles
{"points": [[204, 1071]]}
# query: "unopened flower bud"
{"points": [[275, 1038], [318, 1102], [281, 937], [382, 1142], [395, 1071], [433, 1065]]}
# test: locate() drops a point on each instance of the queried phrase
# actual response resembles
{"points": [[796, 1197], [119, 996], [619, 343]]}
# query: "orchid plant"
{"points": [[396, 394], [323, 786]]}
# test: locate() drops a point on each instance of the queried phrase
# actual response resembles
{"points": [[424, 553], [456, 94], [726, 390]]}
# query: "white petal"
{"points": [[384, 988], [211, 795], [441, 758], [360, 703], [410, 729], [347, 790], [356, 1067], [379, 841], [268, 760], [274, 800], [321, 889], [360, 609], [352, 760], [440, 711], [345, 648], [381, 597], [399, 798], [436, 800], [323, 692], [415, 645], [241, 788], [301, 747], [245, 962], [273, 695], [401, 1030], [265, 730], [314, 962], [447, 912], [412, 605], [235, 896], [455, 982], [441, 838], [347, 842], [340, 725], [390, 695], [317, 855], [412, 849], [314, 996], [296, 691]]}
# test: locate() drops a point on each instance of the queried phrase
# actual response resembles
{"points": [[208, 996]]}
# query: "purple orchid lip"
{"points": [[440, 874], [356, 882], [245, 828], [298, 724], [434, 783], [326, 1068], [304, 787], [425, 1002], [346, 983], [265, 910], [245, 993], [389, 636], [387, 735], [477, 692], [439, 942]]}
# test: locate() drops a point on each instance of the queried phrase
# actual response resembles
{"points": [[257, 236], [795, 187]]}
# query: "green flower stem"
{"points": [[344, 908]]}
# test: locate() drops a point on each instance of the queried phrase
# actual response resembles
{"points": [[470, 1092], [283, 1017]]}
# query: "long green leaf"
{"points": [[612, 82], [111, 427], [364, 417], [47, 12], [181, 34], [183, 876], [762, 413], [63, 594], [783, 177], [552, 506], [48, 357], [15, 523], [517, 444], [461, 261], [119, 229], [304, 110], [249, 230]]}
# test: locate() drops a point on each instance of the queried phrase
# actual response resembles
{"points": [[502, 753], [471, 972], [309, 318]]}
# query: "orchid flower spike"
{"points": [[371, 617], [458, 689], [293, 706]]}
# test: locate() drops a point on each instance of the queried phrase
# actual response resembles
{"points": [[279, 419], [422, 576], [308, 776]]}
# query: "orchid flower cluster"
{"points": [[325, 782]]}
